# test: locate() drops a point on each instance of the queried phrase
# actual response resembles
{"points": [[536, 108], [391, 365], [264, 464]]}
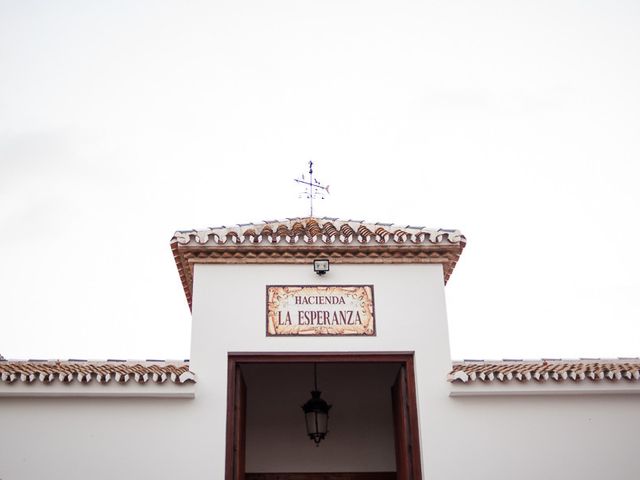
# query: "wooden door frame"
{"points": [[236, 359]]}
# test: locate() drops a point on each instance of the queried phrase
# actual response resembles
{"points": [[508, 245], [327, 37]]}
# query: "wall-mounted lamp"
{"points": [[321, 266]]}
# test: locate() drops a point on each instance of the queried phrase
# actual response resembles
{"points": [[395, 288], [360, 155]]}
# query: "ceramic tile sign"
{"points": [[320, 310]]}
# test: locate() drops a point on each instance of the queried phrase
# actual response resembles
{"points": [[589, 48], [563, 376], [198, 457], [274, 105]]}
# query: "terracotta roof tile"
{"points": [[300, 240], [101, 372], [306, 230], [545, 371]]}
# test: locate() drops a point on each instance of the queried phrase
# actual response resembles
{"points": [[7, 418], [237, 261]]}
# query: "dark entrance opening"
{"points": [[373, 424]]}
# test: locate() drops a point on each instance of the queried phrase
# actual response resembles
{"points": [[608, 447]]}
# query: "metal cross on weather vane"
{"points": [[313, 188]]}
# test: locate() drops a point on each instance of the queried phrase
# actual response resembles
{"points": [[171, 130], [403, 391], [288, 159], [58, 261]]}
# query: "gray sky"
{"points": [[515, 122]]}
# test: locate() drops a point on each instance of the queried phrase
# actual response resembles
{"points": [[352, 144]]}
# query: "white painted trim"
{"points": [[546, 388], [110, 390]]}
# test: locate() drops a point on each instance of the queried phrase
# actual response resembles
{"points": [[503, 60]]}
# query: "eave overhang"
{"points": [[77, 378], [301, 240], [545, 377]]}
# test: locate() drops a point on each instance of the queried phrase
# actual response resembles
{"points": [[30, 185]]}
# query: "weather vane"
{"points": [[314, 189]]}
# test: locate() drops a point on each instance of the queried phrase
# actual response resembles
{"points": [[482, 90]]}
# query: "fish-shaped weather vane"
{"points": [[313, 188]]}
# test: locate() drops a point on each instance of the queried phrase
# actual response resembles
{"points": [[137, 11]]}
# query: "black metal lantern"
{"points": [[316, 413]]}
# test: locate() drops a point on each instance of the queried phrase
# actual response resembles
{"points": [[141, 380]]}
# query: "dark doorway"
{"points": [[392, 369]]}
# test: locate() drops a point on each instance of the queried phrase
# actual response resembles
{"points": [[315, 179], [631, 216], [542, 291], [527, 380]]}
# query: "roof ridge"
{"points": [[102, 372], [317, 219], [546, 370], [545, 360], [92, 361]]}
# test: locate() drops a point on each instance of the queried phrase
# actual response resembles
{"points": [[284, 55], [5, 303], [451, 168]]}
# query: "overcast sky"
{"points": [[516, 122]]}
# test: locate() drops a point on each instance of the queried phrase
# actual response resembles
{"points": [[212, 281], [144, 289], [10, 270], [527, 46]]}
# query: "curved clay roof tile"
{"points": [[364, 231], [313, 229], [282, 231], [364, 234], [329, 229], [400, 236], [298, 229], [204, 235], [233, 237], [346, 230], [250, 234], [382, 235], [266, 231]]}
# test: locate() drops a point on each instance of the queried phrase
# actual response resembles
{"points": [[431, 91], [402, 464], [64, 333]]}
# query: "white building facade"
{"points": [[234, 410]]}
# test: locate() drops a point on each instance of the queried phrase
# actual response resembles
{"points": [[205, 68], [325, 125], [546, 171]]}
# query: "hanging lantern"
{"points": [[316, 412]]}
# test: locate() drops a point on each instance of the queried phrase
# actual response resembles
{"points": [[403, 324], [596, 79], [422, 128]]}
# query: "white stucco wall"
{"points": [[229, 316], [535, 437], [525, 437], [97, 438]]}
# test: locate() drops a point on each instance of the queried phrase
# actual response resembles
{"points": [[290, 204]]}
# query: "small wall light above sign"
{"points": [[321, 266]]}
